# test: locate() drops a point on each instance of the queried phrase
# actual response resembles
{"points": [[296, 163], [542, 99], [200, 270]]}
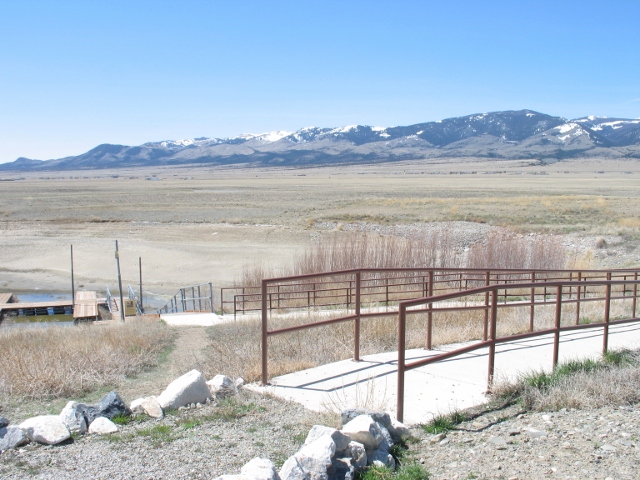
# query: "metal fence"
{"points": [[195, 298], [367, 293]]}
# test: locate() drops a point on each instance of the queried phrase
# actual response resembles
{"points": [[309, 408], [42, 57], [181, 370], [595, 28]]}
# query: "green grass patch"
{"points": [[158, 434], [121, 419], [444, 423], [409, 472]]}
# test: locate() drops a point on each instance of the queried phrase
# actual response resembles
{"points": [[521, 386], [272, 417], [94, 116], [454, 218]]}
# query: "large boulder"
{"points": [[148, 405], [380, 458], [383, 418], [102, 426], [221, 386], [399, 431], [189, 388], [12, 436], [340, 439], [341, 469], [110, 406], [47, 429], [72, 416], [311, 462], [364, 429], [260, 469], [358, 455]]}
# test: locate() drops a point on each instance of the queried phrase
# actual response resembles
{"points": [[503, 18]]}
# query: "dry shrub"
{"points": [[61, 362], [504, 249]]}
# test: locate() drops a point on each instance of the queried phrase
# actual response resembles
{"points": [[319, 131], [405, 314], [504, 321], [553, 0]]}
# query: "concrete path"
{"points": [[439, 388], [193, 319]]}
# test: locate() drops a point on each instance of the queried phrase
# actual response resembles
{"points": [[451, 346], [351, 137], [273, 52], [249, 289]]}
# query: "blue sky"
{"points": [[75, 74]]}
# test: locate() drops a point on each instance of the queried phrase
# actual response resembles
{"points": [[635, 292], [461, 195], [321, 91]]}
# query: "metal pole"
{"points": [[120, 284], [556, 335], [578, 299], [265, 374], [485, 328], [533, 301], [635, 294], [211, 297], [73, 288], [492, 347], [402, 319], [607, 309], [140, 271], [429, 312], [356, 347]]}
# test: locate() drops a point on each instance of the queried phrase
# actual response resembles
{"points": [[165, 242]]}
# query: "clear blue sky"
{"points": [[74, 74]]}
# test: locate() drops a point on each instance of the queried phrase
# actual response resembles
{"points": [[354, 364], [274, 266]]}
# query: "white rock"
{"points": [[260, 469], [102, 426], [47, 429], [364, 430], [399, 431], [239, 382], [234, 477], [358, 455], [12, 436], [311, 462], [535, 433], [340, 439], [73, 418], [381, 458], [136, 406], [189, 388], [221, 386], [151, 407]]}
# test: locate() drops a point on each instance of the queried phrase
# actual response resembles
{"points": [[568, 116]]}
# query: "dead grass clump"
{"points": [[612, 380], [61, 362], [508, 250]]}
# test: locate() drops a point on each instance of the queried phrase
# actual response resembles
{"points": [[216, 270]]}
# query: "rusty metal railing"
{"points": [[356, 292], [562, 293], [384, 286]]}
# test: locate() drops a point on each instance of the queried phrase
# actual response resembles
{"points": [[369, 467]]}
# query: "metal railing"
{"points": [[135, 298], [112, 305], [556, 294], [385, 287], [195, 298], [370, 293]]}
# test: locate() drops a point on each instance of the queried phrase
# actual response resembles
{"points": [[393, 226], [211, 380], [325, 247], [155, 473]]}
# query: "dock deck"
{"points": [[85, 305]]}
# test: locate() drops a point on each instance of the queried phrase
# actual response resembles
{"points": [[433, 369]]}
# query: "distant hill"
{"points": [[522, 134]]}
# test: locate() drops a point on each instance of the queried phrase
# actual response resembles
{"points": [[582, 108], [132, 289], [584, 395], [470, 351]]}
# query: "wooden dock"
{"points": [[85, 305]]}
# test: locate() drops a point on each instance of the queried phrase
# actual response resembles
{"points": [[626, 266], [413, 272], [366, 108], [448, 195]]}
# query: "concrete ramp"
{"points": [[193, 319], [439, 388]]}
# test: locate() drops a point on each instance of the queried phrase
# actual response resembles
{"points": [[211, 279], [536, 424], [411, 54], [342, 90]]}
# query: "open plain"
{"points": [[197, 224]]}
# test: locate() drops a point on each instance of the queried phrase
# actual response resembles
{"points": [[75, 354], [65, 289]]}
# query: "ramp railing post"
{"points": [[265, 374], [635, 295], [356, 346], [485, 328], [402, 319], [533, 302], [607, 311], [211, 297], [492, 347], [556, 334], [430, 312], [578, 299]]}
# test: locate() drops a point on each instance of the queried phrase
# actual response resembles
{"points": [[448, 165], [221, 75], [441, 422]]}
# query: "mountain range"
{"points": [[522, 134]]}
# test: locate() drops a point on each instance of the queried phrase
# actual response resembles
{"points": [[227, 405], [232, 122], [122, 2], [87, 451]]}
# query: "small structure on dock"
{"points": [[85, 306]]}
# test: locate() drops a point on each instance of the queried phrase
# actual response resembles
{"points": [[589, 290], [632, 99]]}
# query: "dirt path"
{"points": [[188, 353]]}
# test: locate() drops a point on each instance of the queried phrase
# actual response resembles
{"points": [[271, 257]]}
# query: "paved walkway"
{"points": [[453, 384]]}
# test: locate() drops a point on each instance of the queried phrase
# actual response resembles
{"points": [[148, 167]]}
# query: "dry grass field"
{"points": [[193, 225]]}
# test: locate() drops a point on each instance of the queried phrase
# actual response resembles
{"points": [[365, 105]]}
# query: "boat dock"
{"points": [[85, 306]]}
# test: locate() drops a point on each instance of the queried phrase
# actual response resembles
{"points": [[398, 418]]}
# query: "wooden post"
{"points": [[120, 284]]}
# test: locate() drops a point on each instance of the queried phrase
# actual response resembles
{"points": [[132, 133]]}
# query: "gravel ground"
{"points": [[177, 447], [597, 443], [216, 439]]}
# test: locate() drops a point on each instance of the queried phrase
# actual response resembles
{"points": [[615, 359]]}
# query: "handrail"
{"points": [[133, 296], [312, 290], [561, 297], [182, 302], [354, 292]]}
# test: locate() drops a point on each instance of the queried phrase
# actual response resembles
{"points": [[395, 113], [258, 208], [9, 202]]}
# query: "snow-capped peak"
{"points": [[267, 137]]}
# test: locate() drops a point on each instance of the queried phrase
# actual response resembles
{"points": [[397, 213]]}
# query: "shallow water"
{"points": [[38, 321]]}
